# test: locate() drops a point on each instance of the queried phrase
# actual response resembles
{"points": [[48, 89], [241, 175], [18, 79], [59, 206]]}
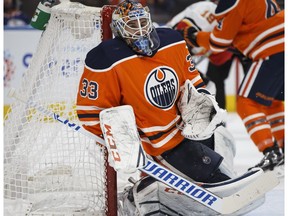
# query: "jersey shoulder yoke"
{"points": [[168, 36], [107, 53], [225, 6]]}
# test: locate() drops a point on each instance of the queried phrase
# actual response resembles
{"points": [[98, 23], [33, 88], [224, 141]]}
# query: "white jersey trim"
{"points": [[196, 79], [162, 142], [266, 46], [160, 128], [261, 36], [90, 123], [220, 40], [216, 50], [89, 108]]}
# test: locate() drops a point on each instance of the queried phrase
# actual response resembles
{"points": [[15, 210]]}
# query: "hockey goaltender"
{"points": [[178, 122]]}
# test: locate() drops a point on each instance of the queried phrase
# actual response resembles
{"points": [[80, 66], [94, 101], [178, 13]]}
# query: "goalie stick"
{"points": [[223, 205]]}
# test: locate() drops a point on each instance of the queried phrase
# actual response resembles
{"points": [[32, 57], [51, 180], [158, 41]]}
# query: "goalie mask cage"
{"points": [[49, 169]]}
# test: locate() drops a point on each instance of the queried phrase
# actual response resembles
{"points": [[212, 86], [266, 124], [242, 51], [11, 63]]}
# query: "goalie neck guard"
{"points": [[132, 22]]}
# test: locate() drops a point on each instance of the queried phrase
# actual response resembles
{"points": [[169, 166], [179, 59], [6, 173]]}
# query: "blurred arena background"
{"points": [[18, 53]]}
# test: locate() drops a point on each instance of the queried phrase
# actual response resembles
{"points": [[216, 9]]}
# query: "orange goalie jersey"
{"points": [[255, 27], [114, 75]]}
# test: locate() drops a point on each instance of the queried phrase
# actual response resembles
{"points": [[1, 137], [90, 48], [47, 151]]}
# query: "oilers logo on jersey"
{"points": [[161, 87]]}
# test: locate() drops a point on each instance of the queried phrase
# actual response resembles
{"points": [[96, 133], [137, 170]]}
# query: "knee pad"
{"points": [[225, 146]]}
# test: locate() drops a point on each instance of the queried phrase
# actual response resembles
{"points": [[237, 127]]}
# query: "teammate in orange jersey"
{"points": [[256, 28], [146, 68], [200, 15]]}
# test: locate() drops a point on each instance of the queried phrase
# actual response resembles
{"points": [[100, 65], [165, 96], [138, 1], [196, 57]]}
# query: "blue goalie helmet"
{"points": [[132, 22]]}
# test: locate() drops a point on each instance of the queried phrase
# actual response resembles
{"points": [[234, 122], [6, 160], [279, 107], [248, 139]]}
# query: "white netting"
{"points": [[49, 169]]}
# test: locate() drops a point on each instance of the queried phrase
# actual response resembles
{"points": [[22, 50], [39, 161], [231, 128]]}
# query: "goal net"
{"points": [[49, 169]]}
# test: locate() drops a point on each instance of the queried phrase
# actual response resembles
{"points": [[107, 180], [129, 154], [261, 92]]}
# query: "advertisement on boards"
{"points": [[19, 46]]}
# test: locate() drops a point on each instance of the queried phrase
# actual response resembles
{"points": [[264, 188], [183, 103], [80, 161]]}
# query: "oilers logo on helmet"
{"points": [[161, 87]]}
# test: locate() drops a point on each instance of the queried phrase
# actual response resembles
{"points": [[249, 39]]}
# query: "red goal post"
{"points": [[50, 169]]}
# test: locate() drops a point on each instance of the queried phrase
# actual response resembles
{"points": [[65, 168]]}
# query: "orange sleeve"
{"points": [[222, 36], [202, 39]]}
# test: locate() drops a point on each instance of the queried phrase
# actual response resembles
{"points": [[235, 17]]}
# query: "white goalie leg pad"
{"points": [[200, 112], [122, 139], [126, 204], [224, 144], [156, 198]]}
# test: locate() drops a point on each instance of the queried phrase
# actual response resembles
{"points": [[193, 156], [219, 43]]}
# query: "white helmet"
{"points": [[132, 22]]}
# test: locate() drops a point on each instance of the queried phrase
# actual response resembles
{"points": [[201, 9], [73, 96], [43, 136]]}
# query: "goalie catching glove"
{"points": [[200, 112]]}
